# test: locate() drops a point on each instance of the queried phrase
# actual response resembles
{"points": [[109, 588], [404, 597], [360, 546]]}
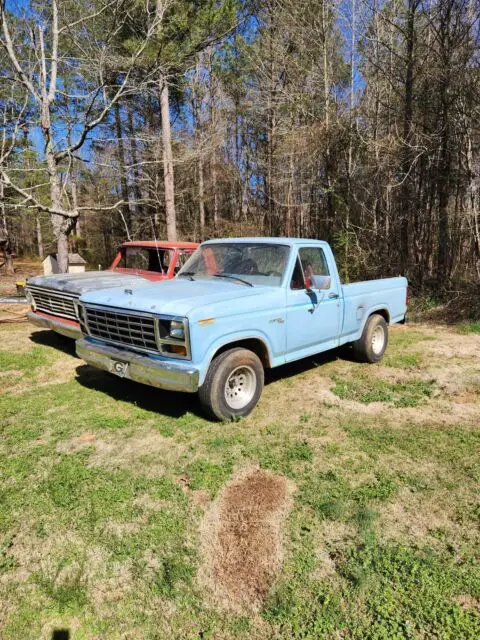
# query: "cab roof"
{"points": [[161, 244], [288, 241]]}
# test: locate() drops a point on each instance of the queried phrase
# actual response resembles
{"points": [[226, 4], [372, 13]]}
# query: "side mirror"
{"points": [[320, 282]]}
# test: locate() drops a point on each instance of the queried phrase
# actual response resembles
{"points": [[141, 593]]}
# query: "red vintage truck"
{"points": [[53, 298]]}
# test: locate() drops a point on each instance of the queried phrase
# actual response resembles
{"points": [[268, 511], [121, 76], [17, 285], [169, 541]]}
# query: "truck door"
{"points": [[313, 317]]}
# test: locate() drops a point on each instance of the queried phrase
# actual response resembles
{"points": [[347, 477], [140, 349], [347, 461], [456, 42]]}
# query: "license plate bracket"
{"points": [[118, 368]]}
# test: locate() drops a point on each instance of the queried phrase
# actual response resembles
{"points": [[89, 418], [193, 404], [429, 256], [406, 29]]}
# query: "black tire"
{"points": [[364, 348], [213, 392]]}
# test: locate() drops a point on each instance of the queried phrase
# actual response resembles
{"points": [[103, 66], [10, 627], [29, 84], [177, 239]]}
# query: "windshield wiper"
{"points": [[188, 274], [227, 275]]}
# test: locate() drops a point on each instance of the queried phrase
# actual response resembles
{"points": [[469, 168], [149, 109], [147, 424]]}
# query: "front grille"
{"points": [[137, 331], [54, 302]]}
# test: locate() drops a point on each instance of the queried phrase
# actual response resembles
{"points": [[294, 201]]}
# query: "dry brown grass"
{"points": [[241, 539], [148, 449], [23, 269], [136, 567]]}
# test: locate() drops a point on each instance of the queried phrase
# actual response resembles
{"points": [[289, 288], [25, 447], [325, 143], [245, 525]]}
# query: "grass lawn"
{"points": [[105, 484]]}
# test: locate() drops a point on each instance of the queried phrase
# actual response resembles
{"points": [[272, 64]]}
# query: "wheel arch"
{"points": [[382, 311], [253, 343]]}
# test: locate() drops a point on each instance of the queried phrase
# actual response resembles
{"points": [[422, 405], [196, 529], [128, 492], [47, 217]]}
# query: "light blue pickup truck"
{"points": [[237, 306]]}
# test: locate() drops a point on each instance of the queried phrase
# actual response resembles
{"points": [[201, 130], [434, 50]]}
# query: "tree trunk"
{"points": [[406, 193], [168, 163], [5, 244], [39, 238], [214, 192], [197, 126], [201, 199], [445, 157], [60, 228], [122, 163], [134, 155]]}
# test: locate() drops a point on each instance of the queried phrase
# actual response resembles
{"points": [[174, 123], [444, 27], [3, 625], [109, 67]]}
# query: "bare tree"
{"points": [[41, 55]]}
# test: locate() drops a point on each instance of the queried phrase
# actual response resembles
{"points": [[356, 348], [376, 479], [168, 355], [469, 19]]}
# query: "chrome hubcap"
{"points": [[378, 340], [240, 387]]}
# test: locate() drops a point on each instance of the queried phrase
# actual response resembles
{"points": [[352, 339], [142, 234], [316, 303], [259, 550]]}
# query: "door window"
{"points": [[297, 281], [314, 263]]}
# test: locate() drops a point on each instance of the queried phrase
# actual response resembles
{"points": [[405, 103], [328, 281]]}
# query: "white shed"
{"points": [[76, 264]]}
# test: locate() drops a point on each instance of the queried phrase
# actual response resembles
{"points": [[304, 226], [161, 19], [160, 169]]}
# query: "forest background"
{"points": [[354, 121]]}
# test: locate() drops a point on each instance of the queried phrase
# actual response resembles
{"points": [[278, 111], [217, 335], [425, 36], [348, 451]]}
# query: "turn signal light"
{"points": [[179, 350]]}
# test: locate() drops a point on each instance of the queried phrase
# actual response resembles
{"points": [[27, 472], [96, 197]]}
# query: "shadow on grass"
{"points": [[60, 634], [169, 403], [176, 404], [293, 369], [49, 338]]}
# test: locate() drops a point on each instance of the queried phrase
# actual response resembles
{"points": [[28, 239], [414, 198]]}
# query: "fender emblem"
{"points": [[129, 292], [279, 320]]}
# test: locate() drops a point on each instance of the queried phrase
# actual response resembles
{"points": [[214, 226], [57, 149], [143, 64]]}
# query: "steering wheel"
{"points": [[277, 274]]}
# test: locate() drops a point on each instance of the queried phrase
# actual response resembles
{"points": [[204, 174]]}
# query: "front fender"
{"points": [[231, 338]]}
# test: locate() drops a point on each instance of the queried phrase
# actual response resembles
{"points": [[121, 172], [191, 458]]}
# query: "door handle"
{"points": [[332, 295]]}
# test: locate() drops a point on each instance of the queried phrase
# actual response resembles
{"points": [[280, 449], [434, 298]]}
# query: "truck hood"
{"points": [[79, 283], [180, 297]]}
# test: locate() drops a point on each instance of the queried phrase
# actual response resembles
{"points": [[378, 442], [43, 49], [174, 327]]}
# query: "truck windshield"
{"points": [[254, 263]]}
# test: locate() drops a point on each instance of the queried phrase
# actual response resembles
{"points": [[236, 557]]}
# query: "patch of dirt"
{"points": [[467, 397], [451, 360], [241, 539], [393, 375], [123, 453], [120, 529], [438, 413], [421, 516], [200, 498], [295, 396], [448, 343], [62, 370], [23, 269], [32, 553], [11, 373], [13, 314], [453, 377], [15, 337], [332, 536], [468, 602], [108, 582]]}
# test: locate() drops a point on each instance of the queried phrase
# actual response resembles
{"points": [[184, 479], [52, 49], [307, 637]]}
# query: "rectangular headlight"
{"points": [[177, 329]]}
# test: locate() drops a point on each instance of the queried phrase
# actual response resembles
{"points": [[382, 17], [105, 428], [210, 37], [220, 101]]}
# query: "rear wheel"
{"points": [[233, 384], [372, 344]]}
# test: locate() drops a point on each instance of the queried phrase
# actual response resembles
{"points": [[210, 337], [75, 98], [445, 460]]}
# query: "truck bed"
{"points": [[362, 297]]}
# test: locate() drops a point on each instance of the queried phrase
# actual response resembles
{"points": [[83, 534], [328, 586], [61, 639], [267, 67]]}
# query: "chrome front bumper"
{"points": [[65, 328], [156, 372]]}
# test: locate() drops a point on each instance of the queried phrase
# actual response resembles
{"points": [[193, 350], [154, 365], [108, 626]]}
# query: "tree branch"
{"points": [[8, 46]]}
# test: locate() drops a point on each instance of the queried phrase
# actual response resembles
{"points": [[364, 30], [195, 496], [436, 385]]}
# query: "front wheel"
{"points": [[233, 384], [372, 344]]}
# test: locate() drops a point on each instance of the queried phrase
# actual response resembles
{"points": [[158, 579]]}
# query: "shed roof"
{"points": [[73, 258]]}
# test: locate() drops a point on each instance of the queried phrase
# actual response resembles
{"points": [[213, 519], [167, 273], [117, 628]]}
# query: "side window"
{"points": [[158, 259], [182, 258], [314, 263], [297, 281]]}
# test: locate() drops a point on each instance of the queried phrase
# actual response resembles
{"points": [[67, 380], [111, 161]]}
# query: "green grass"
{"points": [[411, 393], [468, 327], [100, 519], [403, 361]]}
